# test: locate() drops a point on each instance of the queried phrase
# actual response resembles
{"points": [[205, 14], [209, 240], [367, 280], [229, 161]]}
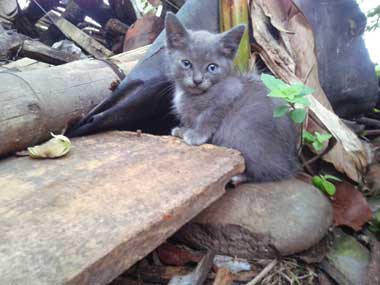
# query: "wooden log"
{"points": [[24, 64], [86, 218], [82, 39], [36, 102]]}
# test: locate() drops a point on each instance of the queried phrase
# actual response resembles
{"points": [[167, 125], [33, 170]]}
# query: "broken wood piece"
{"points": [[11, 41], [223, 277], [73, 13], [369, 122], [199, 276], [41, 52], [38, 102], [263, 273], [88, 217], [163, 274], [82, 39], [116, 26]]}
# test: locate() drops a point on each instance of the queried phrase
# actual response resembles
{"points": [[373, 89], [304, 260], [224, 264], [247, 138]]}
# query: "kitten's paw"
{"points": [[194, 138], [238, 179], [178, 132]]}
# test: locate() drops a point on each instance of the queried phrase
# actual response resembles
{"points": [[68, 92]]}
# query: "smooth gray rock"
{"points": [[348, 260], [261, 220]]}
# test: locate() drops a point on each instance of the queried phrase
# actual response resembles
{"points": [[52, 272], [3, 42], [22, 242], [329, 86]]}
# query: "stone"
{"points": [[347, 261], [262, 220], [86, 218]]}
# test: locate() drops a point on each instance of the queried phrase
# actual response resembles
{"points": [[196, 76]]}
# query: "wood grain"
{"points": [[86, 218]]}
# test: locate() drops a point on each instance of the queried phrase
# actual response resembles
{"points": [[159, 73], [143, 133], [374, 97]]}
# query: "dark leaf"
{"points": [[350, 207]]}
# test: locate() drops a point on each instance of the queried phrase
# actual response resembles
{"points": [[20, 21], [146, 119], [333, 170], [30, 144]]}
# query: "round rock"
{"points": [[262, 220]]}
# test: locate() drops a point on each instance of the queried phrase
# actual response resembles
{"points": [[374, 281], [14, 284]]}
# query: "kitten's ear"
{"points": [[176, 34], [231, 41]]}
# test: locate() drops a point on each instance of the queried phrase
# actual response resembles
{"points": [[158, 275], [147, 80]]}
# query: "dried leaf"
{"points": [[290, 55], [350, 207], [56, 147], [173, 255]]}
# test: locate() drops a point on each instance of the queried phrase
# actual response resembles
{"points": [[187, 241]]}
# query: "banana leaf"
{"points": [[233, 13]]}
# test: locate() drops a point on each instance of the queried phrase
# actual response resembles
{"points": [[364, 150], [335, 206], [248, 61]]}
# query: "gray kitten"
{"points": [[219, 106]]}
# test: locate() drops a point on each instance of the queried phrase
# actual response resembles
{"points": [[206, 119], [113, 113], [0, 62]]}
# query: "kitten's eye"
{"points": [[186, 64], [212, 68]]}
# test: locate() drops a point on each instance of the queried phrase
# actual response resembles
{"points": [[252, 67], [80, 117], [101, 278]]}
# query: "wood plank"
{"points": [[82, 39], [86, 218]]}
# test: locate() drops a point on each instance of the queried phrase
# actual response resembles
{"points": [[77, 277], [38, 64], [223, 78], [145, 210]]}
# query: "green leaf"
{"points": [[280, 111], [308, 137], [329, 188], [277, 93], [317, 182], [298, 115], [322, 137], [332, 177], [301, 100], [375, 110], [272, 83], [306, 91], [318, 146]]}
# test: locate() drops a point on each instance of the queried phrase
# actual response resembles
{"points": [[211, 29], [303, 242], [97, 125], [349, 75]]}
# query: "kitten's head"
{"points": [[199, 59]]}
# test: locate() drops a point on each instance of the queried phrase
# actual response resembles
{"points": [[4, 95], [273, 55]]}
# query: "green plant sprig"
{"points": [[322, 182], [293, 95], [317, 140]]}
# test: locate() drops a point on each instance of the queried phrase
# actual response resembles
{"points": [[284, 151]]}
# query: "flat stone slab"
{"points": [[89, 216]]}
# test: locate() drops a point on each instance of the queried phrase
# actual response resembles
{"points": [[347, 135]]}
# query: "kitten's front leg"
{"points": [[205, 126], [194, 137], [179, 132]]}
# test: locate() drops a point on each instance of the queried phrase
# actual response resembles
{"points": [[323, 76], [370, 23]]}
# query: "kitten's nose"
{"points": [[197, 81]]}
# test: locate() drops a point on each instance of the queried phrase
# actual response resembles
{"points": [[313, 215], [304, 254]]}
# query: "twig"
{"points": [[330, 146], [264, 272], [223, 277], [369, 122], [199, 275], [371, 133]]}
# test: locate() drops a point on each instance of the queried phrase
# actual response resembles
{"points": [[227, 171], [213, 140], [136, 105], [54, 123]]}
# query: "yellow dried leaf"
{"points": [[56, 147]]}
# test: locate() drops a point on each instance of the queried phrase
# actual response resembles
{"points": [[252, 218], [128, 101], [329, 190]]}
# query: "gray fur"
{"points": [[224, 108]]}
